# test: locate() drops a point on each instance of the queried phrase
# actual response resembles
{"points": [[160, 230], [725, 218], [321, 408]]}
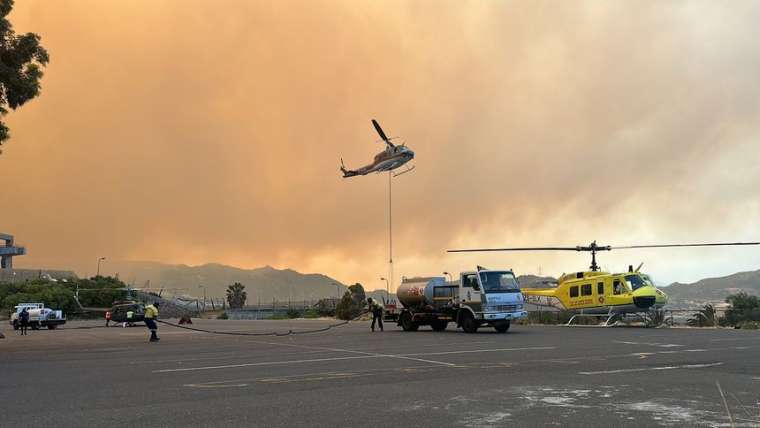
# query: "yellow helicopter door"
{"points": [[600, 295]]}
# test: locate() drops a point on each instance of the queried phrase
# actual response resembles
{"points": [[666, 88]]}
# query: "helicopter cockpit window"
{"points": [[574, 291], [617, 287], [600, 288], [634, 282]]}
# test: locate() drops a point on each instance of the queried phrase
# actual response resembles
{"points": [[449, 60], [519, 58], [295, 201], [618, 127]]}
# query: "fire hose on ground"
{"points": [[272, 333]]}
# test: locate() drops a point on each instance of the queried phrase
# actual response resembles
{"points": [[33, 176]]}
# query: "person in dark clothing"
{"points": [[377, 313], [23, 319]]}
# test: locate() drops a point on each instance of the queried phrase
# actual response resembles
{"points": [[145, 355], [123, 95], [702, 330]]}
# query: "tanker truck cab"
{"points": [[489, 297]]}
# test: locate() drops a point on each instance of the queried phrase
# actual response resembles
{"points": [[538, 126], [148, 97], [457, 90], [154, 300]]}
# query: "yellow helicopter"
{"points": [[594, 293]]}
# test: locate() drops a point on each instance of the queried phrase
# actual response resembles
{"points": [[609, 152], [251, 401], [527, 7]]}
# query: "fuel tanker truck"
{"points": [[481, 298]]}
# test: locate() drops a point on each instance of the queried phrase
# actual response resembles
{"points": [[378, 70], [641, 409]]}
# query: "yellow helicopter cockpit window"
{"points": [[635, 282]]}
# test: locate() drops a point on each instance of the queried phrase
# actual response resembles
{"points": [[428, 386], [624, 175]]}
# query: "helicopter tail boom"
{"points": [[346, 172]]}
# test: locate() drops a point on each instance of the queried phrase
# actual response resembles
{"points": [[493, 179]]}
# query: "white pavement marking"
{"points": [[657, 344], [725, 403], [644, 369], [265, 363], [361, 355], [311, 376], [473, 351], [201, 385]]}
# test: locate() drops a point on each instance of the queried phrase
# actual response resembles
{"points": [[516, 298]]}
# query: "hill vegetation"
{"points": [[715, 289], [264, 283]]}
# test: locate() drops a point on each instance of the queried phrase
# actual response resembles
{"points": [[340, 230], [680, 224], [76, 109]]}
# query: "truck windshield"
{"points": [[499, 282]]}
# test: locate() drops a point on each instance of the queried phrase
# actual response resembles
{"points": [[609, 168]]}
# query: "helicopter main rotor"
{"points": [[593, 247]]}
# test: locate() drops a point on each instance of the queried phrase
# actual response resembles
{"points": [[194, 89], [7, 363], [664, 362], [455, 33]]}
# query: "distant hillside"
{"points": [[265, 283], [713, 289]]}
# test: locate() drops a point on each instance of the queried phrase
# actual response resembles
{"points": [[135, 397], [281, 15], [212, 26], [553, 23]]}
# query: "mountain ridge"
{"points": [[263, 283]]}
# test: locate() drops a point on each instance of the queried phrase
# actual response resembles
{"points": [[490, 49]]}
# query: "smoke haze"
{"points": [[198, 131]]}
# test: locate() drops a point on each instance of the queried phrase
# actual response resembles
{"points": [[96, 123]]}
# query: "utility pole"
{"points": [[99, 260], [390, 230]]}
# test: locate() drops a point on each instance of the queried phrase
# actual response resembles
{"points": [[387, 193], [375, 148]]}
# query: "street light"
{"points": [[204, 296], [387, 289], [451, 278], [337, 292], [99, 260]]}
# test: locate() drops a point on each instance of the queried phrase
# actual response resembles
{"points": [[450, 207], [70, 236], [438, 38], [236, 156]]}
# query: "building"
{"points": [[8, 250]]}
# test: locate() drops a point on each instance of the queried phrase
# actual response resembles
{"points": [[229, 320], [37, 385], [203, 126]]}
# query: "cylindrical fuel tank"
{"points": [[418, 291]]}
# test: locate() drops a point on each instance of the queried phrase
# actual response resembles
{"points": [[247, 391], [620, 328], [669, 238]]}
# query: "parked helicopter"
{"points": [[389, 159], [602, 294]]}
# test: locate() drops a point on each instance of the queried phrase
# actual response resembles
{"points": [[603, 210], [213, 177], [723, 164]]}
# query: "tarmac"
{"points": [[84, 374]]}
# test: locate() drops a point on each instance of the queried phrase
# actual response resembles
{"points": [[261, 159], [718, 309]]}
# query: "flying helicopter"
{"points": [[602, 294], [389, 159]]}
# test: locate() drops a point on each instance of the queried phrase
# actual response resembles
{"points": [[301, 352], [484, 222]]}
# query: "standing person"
{"points": [[377, 312], [108, 318], [23, 318], [151, 314]]}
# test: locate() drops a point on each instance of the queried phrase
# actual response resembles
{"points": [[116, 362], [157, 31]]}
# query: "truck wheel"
{"points": [[407, 323], [501, 326], [15, 325], [439, 325], [52, 327], [469, 325]]}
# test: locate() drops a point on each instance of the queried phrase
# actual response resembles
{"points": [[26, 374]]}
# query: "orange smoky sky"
{"points": [[199, 131]]}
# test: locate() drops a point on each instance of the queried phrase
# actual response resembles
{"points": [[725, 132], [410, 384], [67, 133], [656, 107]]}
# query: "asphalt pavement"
{"points": [[87, 375]]}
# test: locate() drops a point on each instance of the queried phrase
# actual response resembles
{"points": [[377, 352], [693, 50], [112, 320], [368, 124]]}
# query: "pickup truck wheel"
{"points": [[52, 327], [501, 326], [15, 325], [469, 325], [407, 323], [439, 325]]}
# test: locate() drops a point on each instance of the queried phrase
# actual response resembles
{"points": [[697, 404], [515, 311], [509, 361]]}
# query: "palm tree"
{"points": [[705, 317], [236, 295]]}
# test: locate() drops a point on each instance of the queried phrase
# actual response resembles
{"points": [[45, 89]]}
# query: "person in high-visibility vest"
{"points": [[377, 312], [151, 314]]}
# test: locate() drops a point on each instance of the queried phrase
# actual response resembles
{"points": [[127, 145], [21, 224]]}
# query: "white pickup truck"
{"points": [[39, 316]]}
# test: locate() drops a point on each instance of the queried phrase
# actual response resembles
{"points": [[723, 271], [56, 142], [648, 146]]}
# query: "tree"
{"points": [[236, 295], [743, 308], [352, 303], [21, 61], [705, 317]]}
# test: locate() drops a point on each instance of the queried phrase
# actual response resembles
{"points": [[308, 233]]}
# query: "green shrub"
{"points": [[311, 313], [353, 302], [743, 308], [750, 325]]}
